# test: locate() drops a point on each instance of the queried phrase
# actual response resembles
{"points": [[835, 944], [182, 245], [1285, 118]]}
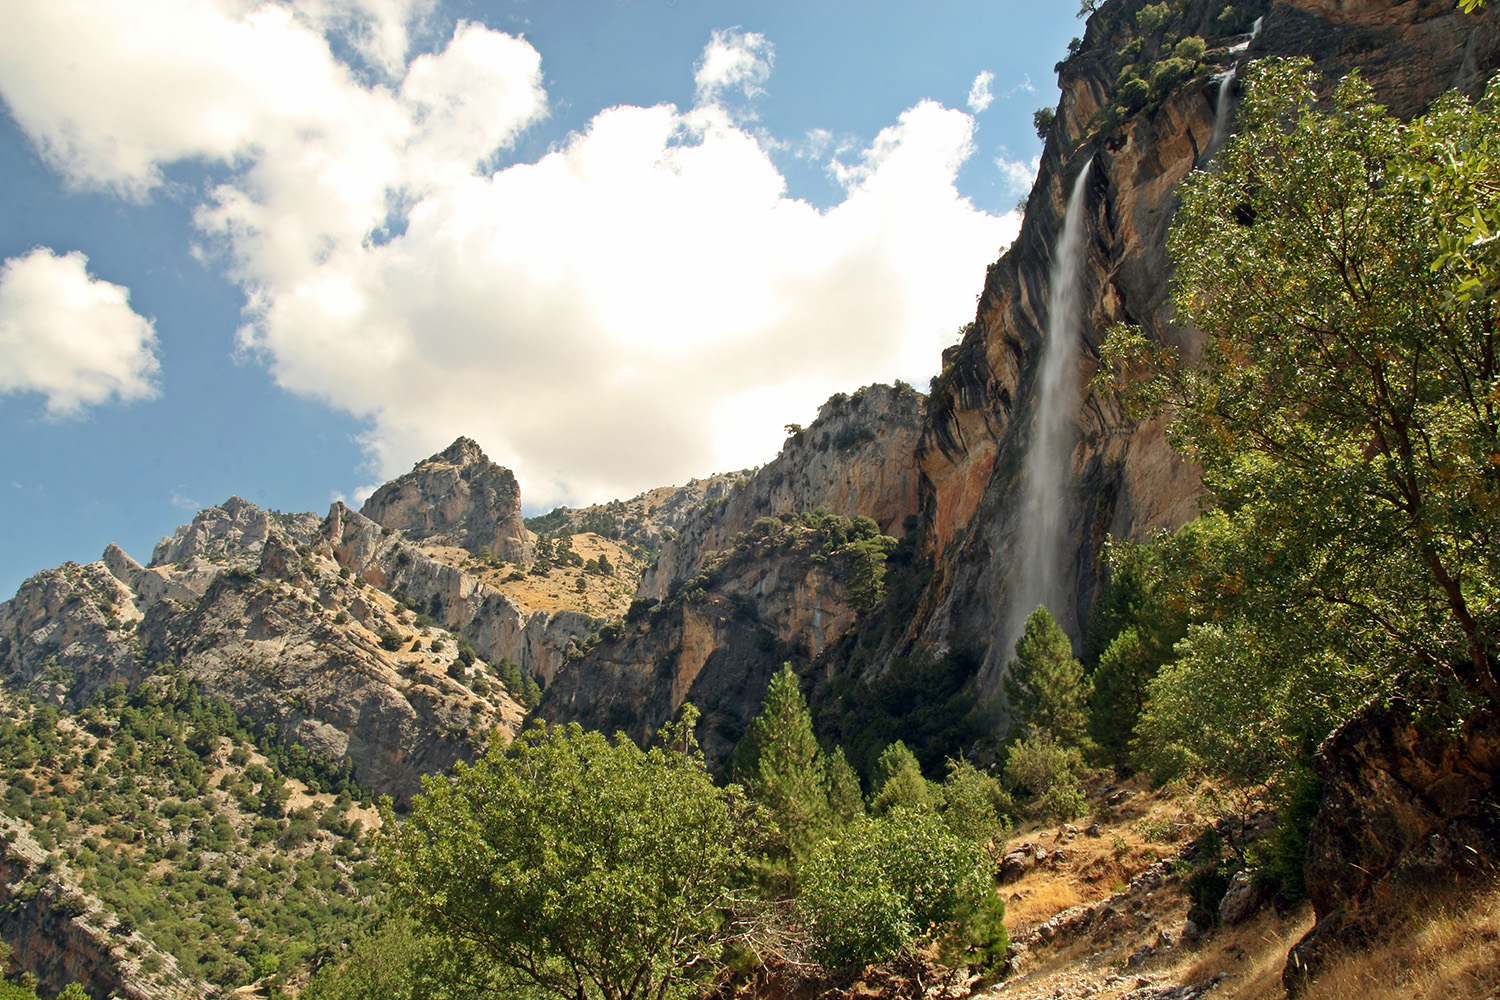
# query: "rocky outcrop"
{"points": [[458, 497], [1123, 477], [233, 531], [856, 459], [498, 627], [63, 935], [291, 640], [1405, 810], [278, 654], [70, 632], [775, 596]]}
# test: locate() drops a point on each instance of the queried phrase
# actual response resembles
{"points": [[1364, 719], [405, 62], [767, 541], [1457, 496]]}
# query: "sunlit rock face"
{"points": [[857, 459], [457, 497]]}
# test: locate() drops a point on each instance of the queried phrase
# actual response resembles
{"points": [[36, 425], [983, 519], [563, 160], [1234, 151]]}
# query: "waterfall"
{"points": [[1221, 112], [1226, 81], [1041, 519]]}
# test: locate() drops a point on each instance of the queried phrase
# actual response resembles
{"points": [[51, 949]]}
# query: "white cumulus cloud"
{"points": [[643, 304], [734, 60], [980, 96], [71, 337], [1018, 175]]}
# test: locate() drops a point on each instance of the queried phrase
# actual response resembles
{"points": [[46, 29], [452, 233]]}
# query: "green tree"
{"points": [[1045, 685], [784, 770], [899, 783], [578, 865], [844, 796], [1343, 268]]}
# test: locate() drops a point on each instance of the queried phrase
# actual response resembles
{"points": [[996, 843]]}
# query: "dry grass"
{"points": [[1448, 949], [602, 596]]}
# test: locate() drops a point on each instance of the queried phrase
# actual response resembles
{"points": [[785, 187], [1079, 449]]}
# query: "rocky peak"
{"points": [[234, 530], [456, 497]]}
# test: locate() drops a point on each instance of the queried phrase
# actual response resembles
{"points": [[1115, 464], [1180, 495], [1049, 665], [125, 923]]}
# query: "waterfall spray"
{"points": [[1042, 516]]}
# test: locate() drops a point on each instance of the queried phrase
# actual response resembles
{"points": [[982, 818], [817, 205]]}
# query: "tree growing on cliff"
{"points": [[582, 867], [1344, 269]]}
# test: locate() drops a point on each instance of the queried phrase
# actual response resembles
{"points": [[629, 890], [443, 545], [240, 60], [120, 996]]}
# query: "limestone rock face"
{"points": [[458, 497], [70, 632], [856, 459], [1404, 810], [1123, 477], [496, 625], [236, 529], [717, 644]]}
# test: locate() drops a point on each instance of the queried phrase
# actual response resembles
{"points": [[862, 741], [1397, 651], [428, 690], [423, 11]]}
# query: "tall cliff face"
{"points": [[780, 592], [457, 497], [748, 584], [1123, 477]]}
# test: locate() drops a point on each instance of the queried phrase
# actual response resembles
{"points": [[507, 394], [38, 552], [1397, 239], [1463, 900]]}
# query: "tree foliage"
{"points": [[1045, 685], [885, 883], [1342, 267], [579, 865], [785, 771]]}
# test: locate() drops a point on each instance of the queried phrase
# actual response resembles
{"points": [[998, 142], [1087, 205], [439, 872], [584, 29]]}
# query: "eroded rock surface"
{"points": [[1404, 810], [457, 497]]}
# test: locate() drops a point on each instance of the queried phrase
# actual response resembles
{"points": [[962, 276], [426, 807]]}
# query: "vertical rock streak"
{"points": [[1044, 472]]}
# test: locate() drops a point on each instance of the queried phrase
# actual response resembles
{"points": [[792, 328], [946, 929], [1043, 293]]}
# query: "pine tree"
{"points": [[784, 769], [1046, 686], [899, 782]]}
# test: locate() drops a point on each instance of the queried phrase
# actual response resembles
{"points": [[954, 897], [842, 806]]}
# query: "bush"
{"points": [[1190, 48], [884, 884], [391, 640], [1050, 772]]}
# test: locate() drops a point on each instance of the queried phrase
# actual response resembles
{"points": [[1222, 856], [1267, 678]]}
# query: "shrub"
{"points": [[1190, 48], [391, 640], [884, 884], [1050, 772]]}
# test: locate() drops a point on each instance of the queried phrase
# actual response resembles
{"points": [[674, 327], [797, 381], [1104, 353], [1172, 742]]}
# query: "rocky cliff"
{"points": [[779, 592], [765, 574], [457, 497], [857, 459], [1123, 478]]}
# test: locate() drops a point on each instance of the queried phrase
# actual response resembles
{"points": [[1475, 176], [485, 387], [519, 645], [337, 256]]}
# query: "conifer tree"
{"points": [[1046, 686], [899, 782], [784, 769]]}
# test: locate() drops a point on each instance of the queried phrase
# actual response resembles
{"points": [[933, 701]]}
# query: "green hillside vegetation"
{"points": [[682, 877], [235, 854]]}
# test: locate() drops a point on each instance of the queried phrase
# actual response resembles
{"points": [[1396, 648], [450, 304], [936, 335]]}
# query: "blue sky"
{"points": [[286, 250]]}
